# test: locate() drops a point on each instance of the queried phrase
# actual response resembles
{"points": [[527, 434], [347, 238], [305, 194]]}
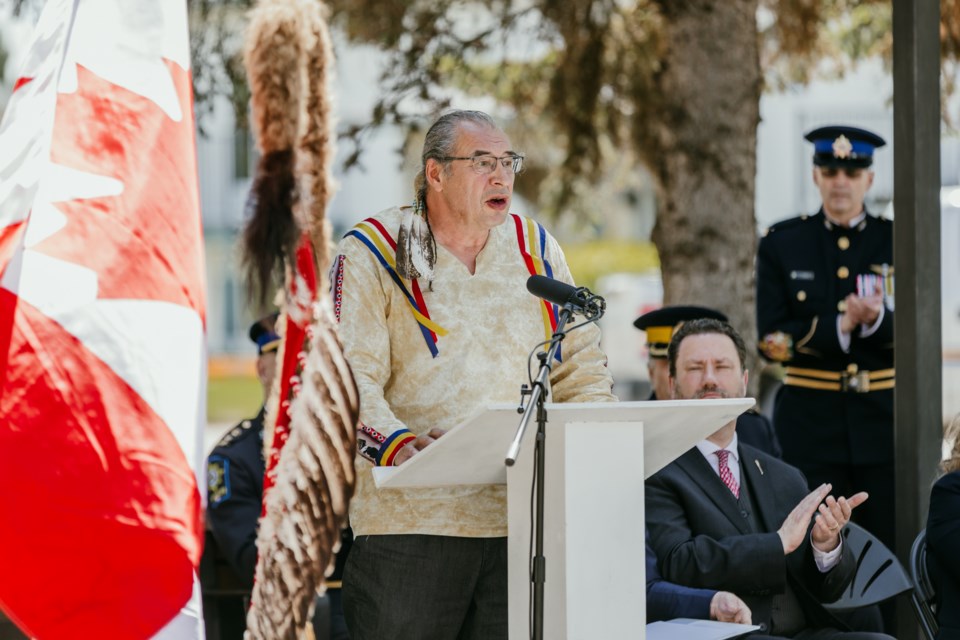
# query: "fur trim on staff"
{"points": [[315, 149], [273, 57], [310, 474], [304, 515]]}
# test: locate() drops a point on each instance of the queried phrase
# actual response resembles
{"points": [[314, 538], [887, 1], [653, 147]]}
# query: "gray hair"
{"points": [[440, 140]]}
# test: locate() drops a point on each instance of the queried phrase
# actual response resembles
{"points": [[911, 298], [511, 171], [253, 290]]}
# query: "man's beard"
{"points": [[702, 392]]}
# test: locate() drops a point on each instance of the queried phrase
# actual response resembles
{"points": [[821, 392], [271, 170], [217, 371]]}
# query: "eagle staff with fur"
{"points": [[314, 403]]}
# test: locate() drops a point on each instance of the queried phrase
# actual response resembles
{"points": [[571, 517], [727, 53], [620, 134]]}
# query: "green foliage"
{"points": [[866, 31], [233, 398], [590, 260]]}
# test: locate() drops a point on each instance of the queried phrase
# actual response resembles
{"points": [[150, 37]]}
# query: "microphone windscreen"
{"points": [[551, 290]]}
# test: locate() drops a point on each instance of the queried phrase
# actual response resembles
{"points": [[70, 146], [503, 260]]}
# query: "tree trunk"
{"points": [[704, 153]]}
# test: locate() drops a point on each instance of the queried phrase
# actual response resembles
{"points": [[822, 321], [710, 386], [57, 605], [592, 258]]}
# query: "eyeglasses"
{"points": [[487, 164], [831, 172]]}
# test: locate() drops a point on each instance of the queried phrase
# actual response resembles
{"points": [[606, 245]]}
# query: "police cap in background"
{"points": [[661, 323], [840, 146], [264, 335]]}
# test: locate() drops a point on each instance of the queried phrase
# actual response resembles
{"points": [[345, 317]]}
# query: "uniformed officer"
{"points": [[825, 310], [235, 470], [752, 427]]}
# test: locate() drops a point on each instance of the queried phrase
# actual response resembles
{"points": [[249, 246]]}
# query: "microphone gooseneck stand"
{"points": [[592, 308], [538, 396]]}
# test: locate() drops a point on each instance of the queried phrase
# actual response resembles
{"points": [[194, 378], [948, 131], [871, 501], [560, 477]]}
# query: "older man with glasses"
{"points": [[436, 322], [825, 304]]}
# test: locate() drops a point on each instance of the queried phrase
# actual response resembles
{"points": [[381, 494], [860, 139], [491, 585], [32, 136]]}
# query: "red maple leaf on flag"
{"points": [[152, 225], [104, 515]]}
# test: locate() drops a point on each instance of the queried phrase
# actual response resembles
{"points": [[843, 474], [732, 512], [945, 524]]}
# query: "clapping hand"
{"points": [[833, 515]]}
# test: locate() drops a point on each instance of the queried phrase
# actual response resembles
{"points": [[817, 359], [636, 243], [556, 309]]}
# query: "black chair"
{"points": [[924, 595], [878, 578]]}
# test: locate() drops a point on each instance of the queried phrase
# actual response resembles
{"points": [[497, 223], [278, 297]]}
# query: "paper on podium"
{"points": [[474, 451], [690, 629]]}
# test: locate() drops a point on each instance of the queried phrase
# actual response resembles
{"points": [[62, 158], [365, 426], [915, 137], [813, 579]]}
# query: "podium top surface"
{"points": [[474, 452]]}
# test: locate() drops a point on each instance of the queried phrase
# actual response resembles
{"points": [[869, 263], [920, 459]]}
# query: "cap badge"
{"points": [[842, 147]]}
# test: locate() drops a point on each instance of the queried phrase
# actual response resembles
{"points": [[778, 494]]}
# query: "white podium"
{"points": [[597, 458]]}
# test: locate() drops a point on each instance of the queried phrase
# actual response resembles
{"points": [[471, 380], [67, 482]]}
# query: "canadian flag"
{"points": [[102, 327]]}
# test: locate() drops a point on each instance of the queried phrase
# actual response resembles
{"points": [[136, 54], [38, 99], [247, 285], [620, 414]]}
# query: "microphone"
{"points": [[577, 299]]}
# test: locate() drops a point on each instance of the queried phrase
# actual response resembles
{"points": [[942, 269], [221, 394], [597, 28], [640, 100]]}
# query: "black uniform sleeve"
{"points": [[782, 332], [233, 511], [882, 338]]}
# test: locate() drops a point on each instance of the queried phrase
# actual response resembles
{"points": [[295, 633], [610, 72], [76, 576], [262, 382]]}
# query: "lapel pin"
{"points": [[757, 462]]}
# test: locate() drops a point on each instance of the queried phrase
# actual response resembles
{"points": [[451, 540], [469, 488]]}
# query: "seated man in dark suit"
{"points": [[666, 600], [725, 515], [753, 427]]}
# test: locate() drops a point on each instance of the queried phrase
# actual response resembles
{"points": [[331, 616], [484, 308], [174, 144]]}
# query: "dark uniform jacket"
{"points": [[235, 471], [943, 557], [705, 537], [834, 406], [754, 429]]}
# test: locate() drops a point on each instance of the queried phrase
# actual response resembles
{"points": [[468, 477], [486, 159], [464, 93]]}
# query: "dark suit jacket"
{"points": [[666, 600], [943, 552], [702, 536]]}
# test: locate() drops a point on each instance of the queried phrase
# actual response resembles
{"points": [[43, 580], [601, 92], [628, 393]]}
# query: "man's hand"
{"points": [[411, 448], [727, 607], [860, 310], [794, 529], [834, 515]]}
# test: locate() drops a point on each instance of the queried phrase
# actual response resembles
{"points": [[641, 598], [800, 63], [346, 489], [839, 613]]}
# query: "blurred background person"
{"points": [[235, 471], [825, 310]]}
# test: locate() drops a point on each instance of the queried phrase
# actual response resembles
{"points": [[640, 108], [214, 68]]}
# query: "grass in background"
{"points": [[233, 398]]}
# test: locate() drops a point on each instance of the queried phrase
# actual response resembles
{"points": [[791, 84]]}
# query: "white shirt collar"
{"points": [[708, 448]]}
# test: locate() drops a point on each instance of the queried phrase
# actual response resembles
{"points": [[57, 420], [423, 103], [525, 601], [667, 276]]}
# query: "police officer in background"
{"points": [[825, 310], [235, 470], [236, 466], [752, 427]]}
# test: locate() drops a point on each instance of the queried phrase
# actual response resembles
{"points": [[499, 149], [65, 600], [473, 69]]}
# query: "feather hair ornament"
{"points": [[416, 246], [314, 408]]}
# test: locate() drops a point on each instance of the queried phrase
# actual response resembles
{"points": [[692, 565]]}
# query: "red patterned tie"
{"points": [[725, 474]]}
